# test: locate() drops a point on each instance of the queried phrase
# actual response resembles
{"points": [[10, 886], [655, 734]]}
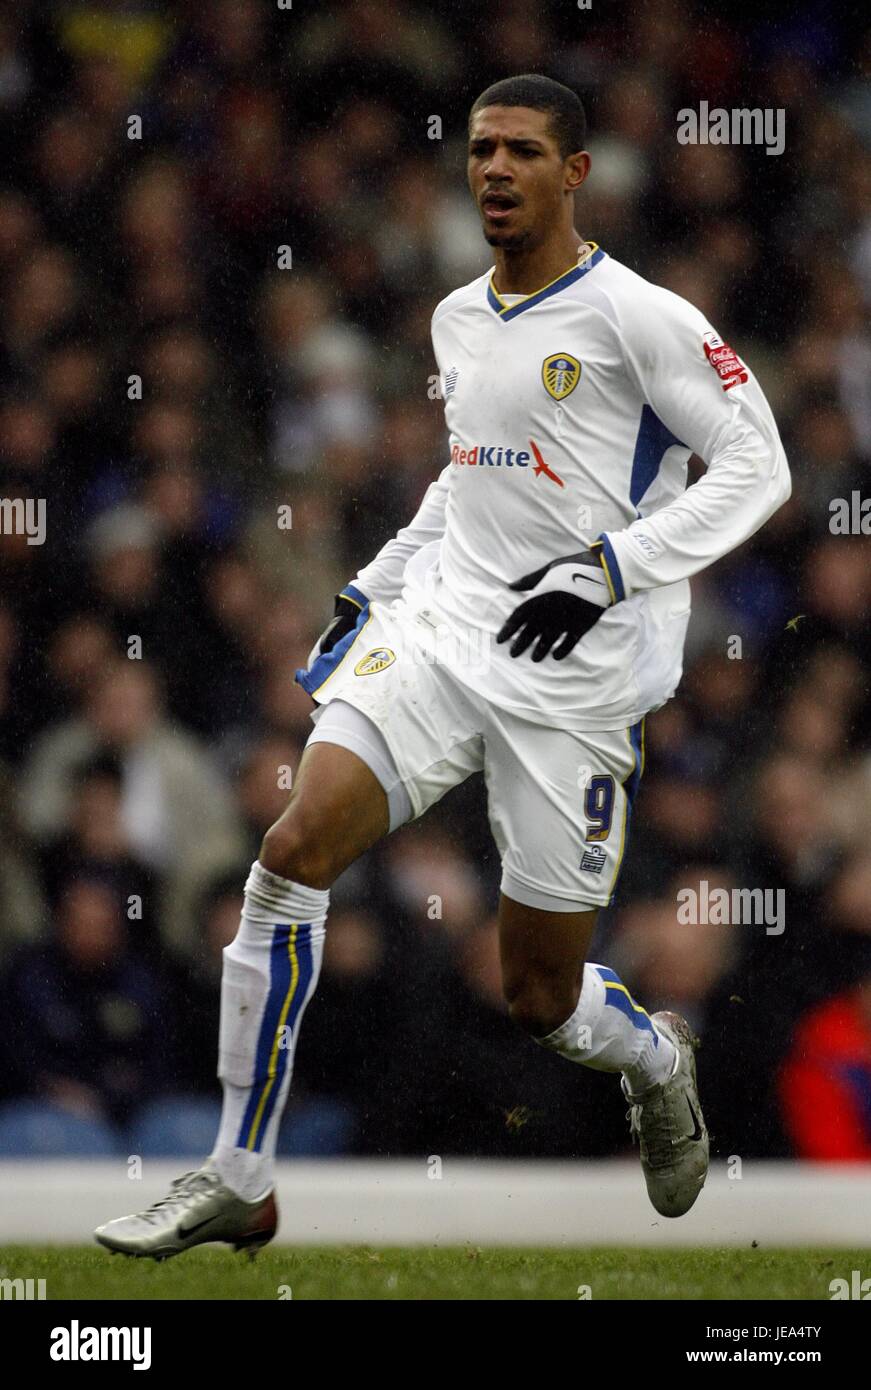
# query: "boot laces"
{"points": [[656, 1135], [181, 1190]]}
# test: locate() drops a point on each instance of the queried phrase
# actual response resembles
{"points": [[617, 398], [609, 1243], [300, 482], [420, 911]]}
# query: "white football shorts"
{"points": [[559, 801]]}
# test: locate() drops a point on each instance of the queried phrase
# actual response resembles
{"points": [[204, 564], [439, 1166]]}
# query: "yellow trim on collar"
{"points": [[580, 261]]}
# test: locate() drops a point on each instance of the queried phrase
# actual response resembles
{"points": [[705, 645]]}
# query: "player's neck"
{"points": [[519, 272]]}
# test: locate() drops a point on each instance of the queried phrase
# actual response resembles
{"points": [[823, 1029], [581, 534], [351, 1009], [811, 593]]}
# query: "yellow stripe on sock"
{"points": [[273, 1060], [612, 984]]}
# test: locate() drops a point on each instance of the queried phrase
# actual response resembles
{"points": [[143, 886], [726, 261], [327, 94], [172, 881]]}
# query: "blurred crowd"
{"points": [[223, 230]]}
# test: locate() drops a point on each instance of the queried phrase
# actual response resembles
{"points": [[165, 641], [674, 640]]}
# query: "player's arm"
{"points": [[714, 405], [382, 579]]}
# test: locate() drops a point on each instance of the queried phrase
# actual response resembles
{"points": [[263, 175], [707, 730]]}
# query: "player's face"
{"points": [[517, 176]]}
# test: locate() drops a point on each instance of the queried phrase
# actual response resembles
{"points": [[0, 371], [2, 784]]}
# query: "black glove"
{"points": [[346, 614], [571, 594]]}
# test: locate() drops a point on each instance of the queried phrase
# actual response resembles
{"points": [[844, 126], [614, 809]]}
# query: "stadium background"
{"points": [[154, 778]]}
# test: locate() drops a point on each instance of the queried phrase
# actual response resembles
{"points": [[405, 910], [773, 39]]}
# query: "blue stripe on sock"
{"points": [[279, 982], [618, 998], [305, 966]]}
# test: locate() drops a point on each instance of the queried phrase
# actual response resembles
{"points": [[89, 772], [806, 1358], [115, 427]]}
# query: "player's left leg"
{"points": [[552, 886], [576, 1008]]}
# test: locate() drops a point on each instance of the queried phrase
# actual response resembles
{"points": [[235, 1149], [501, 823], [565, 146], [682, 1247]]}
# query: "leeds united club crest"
{"points": [[373, 662], [560, 373]]}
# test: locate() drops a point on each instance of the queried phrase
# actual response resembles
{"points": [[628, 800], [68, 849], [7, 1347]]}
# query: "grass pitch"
{"points": [[465, 1273]]}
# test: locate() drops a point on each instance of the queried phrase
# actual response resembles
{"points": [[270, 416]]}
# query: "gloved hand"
{"points": [[569, 595], [346, 613]]}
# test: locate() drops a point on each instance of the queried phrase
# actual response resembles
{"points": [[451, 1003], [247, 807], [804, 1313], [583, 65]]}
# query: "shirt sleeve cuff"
{"points": [[605, 551], [352, 593]]}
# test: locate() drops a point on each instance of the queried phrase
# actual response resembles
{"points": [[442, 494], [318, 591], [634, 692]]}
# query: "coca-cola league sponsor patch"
{"points": [[725, 362]]}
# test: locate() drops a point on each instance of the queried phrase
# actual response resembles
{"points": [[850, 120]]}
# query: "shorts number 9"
{"points": [[599, 807]]}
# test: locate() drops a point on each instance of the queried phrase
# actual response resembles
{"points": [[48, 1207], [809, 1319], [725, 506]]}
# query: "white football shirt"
{"points": [[571, 416]]}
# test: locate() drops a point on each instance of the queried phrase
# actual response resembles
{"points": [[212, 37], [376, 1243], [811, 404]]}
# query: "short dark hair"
{"points": [[568, 123]]}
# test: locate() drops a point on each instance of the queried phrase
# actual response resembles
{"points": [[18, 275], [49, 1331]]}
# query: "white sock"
{"points": [[608, 1031], [270, 972]]}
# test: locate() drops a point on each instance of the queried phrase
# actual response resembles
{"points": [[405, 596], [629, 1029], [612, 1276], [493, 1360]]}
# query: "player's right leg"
{"points": [[338, 808]]}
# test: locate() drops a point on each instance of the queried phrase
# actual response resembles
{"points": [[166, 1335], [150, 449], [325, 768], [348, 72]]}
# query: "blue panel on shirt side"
{"points": [[650, 445]]}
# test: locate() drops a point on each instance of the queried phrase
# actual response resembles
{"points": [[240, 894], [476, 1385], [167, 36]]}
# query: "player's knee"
{"points": [[293, 849], [539, 1004]]}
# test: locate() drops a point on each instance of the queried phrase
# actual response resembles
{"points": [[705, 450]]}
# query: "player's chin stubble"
{"points": [[509, 241]]}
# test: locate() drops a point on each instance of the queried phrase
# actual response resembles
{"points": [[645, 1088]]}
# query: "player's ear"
{"points": [[577, 169]]}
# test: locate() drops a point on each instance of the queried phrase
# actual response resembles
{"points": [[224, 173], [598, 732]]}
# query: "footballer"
{"points": [[522, 625]]}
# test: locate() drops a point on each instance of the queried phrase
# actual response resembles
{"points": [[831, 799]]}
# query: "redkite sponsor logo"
{"points": [[542, 467], [491, 455], [501, 456]]}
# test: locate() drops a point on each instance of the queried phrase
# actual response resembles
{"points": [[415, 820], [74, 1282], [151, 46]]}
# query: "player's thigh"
{"points": [[559, 806], [430, 725], [336, 811]]}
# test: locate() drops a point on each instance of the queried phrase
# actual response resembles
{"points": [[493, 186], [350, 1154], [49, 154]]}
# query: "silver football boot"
{"points": [[668, 1123], [198, 1208]]}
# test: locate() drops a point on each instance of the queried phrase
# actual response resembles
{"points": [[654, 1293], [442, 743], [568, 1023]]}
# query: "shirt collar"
{"points": [[568, 277]]}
